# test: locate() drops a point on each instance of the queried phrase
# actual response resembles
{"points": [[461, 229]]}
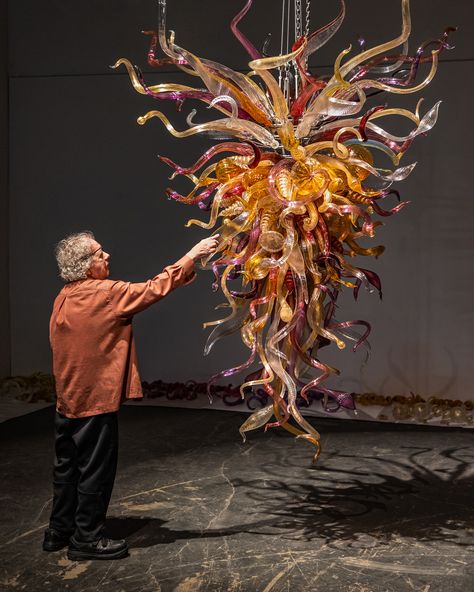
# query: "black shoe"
{"points": [[102, 549], [54, 540]]}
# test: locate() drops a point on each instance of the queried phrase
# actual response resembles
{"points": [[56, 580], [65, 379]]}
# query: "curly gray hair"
{"points": [[74, 256]]}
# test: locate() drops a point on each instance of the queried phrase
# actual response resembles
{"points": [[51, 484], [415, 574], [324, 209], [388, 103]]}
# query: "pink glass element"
{"points": [[242, 148], [249, 47]]}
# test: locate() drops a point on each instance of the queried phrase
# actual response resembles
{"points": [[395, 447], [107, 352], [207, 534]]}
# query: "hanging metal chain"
{"points": [[289, 80], [298, 19], [308, 9]]}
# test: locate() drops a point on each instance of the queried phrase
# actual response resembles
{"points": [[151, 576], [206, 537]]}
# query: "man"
{"points": [[95, 367]]}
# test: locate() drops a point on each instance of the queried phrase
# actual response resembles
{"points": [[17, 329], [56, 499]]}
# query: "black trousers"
{"points": [[84, 472]]}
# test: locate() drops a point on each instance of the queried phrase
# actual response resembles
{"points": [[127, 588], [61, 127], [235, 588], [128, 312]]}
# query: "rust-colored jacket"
{"points": [[94, 357]]}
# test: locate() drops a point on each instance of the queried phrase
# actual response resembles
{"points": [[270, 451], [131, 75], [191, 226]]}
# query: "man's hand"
{"points": [[203, 248]]}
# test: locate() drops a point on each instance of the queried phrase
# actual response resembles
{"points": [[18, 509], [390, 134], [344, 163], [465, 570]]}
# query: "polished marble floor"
{"points": [[387, 508]]}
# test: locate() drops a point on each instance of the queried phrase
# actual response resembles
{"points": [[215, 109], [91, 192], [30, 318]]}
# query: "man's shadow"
{"points": [[380, 499]]}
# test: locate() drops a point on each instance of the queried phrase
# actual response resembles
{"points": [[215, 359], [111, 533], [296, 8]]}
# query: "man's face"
{"points": [[99, 269]]}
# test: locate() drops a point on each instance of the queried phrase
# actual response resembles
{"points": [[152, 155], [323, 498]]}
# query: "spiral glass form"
{"points": [[295, 192]]}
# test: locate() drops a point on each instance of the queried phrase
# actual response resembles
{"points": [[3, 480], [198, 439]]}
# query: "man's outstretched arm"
{"points": [[129, 298]]}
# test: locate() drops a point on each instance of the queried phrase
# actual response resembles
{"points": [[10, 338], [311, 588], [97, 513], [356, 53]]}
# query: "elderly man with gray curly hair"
{"points": [[95, 368]]}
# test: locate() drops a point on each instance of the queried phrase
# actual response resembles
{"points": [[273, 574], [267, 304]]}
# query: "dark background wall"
{"points": [[4, 284], [78, 160]]}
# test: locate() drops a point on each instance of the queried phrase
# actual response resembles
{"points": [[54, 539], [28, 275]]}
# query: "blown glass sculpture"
{"points": [[296, 190]]}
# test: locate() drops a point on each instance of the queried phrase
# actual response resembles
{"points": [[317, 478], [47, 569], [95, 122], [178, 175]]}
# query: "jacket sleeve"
{"points": [[129, 298]]}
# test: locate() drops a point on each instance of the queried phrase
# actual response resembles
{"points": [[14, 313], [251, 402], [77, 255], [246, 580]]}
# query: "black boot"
{"points": [[54, 540], [102, 549]]}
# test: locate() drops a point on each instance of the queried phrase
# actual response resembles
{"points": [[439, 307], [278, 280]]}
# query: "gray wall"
{"points": [[79, 160], [4, 284]]}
